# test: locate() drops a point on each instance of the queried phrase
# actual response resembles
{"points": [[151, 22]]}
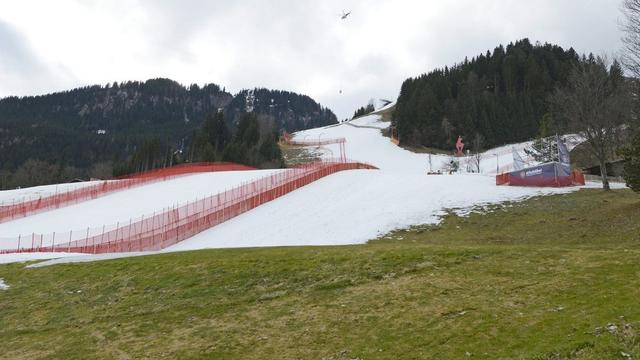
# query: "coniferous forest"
{"points": [[98, 131], [364, 110], [500, 96]]}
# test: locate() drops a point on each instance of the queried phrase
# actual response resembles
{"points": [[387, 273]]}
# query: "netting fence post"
{"points": [[86, 241], [140, 234], [101, 240], [153, 231], [115, 240]]}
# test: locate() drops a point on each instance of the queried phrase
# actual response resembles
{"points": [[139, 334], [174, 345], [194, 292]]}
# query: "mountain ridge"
{"points": [[106, 123]]}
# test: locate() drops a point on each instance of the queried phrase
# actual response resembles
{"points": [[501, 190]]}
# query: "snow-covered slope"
{"points": [[365, 143], [356, 206], [345, 208], [124, 205], [353, 207], [9, 197]]}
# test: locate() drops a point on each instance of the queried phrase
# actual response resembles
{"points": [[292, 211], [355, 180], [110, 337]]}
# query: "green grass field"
{"points": [[550, 278]]}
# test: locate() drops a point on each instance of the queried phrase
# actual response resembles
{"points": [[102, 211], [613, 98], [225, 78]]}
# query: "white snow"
{"points": [[79, 258], [385, 107], [353, 207], [23, 257], [9, 197], [372, 121], [124, 205], [3, 285], [349, 207], [365, 143]]}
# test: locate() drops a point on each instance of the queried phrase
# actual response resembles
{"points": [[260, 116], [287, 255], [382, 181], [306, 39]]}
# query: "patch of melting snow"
{"points": [[3, 285]]}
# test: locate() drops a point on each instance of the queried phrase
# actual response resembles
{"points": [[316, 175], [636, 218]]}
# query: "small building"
{"points": [[614, 169]]}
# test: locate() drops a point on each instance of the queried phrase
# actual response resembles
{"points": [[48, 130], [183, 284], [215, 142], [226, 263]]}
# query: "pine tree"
{"points": [[631, 156], [217, 132], [500, 94]]}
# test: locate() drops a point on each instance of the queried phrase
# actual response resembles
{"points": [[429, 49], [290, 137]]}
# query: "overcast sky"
{"points": [[295, 45]]}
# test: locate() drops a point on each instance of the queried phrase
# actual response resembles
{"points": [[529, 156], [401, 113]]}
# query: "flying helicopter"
{"points": [[345, 14]]}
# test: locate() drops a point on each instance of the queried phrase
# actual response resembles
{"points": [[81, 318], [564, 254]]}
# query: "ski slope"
{"points": [[356, 206], [349, 207], [353, 207], [120, 207], [9, 197], [366, 144]]}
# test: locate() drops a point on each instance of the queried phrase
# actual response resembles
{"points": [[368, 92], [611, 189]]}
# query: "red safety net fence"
{"points": [[172, 225], [26, 207]]}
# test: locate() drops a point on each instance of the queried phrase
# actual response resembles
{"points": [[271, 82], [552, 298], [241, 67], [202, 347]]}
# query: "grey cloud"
{"points": [[21, 71], [303, 46]]}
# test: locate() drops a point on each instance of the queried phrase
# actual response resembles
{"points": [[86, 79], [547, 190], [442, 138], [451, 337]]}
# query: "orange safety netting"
{"points": [[577, 177], [170, 226], [33, 206], [188, 168]]}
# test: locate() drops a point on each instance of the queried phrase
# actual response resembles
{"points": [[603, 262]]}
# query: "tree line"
{"points": [[532, 91], [251, 145], [364, 110], [89, 131], [500, 95]]}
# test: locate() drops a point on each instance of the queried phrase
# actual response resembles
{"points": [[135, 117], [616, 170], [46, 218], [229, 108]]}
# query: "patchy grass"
{"points": [[551, 278], [296, 155]]}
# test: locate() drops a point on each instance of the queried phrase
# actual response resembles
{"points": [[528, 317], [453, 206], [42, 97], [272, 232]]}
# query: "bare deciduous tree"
{"points": [[596, 104], [35, 172], [631, 38], [101, 170], [476, 158]]}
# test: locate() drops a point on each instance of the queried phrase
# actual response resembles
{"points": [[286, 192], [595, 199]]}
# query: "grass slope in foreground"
{"points": [[551, 278]]}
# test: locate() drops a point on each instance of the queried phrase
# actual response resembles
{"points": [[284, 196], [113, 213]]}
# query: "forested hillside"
{"points": [[500, 95], [250, 144], [282, 109], [86, 131]]}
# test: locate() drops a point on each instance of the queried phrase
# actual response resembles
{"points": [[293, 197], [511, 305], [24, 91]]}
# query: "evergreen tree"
{"points": [[247, 146], [237, 153], [248, 130], [217, 131], [364, 110], [631, 156], [501, 95], [76, 129]]}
